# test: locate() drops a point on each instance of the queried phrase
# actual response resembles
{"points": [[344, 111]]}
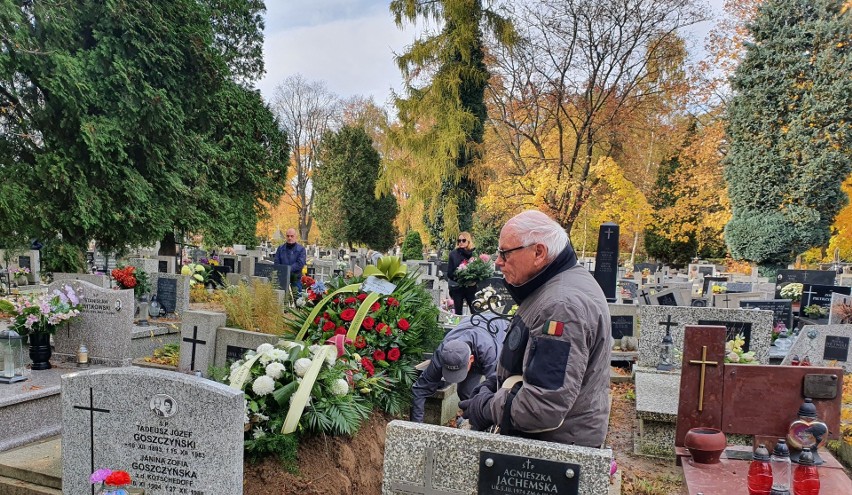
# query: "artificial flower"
{"points": [[118, 478], [99, 476]]}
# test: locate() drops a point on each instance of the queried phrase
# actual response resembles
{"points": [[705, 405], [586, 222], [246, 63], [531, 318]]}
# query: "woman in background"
{"points": [[462, 253]]}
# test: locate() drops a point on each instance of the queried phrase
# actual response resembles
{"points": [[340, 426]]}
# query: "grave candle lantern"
{"points": [[11, 357], [807, 431], [666, 352]]}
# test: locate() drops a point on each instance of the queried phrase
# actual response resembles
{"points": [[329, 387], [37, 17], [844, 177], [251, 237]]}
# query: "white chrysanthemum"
{"points": [[261, 417], [340, 387], [301, 366], [236, 364], [279, 355], [265, 359], [314, 349], [274, 370], [265, 347], [258, 433], [263, 385], [331, 358]]}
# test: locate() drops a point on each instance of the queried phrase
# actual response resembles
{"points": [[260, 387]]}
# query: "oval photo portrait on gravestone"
{"points": [[163, 405]]}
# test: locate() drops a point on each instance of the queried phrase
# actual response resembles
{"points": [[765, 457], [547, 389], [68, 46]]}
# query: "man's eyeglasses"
{"points": [[501, 253], [461, 241]]}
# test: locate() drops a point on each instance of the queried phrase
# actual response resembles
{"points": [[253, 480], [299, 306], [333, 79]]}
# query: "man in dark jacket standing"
{"points": [[292, 253], [467, 354], [553, 373]]}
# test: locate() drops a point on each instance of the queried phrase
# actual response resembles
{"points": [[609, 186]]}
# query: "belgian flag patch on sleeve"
{"points": [[554, 328]]}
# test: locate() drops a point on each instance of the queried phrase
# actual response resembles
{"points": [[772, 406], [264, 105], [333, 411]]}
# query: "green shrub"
{"points": [[412, 247]]}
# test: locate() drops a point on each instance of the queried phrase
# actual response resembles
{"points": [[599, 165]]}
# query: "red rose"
{"points": [[368, 366], [375, 307], [340, 331], [349, 300], [392, 302], [316, 320], [347, 314], [312, 296], [328, 326], [393, 354], [381, 327], [368, 323], [388, 330], [379, 355], [403, 324], [118, 478], [360, 342], [335, 300], [362, 296]]}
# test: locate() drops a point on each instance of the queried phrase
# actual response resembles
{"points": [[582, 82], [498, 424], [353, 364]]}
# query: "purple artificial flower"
{"points": [[100, 475]]}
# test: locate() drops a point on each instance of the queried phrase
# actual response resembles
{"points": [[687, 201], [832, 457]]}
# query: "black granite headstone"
{"points": [[813, 277], [667, 299], [167, 294], [836, 348], [651, 267], [622, 326], [606, 260], [706, 271], [266, 269], [162, 266], [820, 295], [24, 262], [230, 263], [734, 328], [217, 275], [782, 310]]}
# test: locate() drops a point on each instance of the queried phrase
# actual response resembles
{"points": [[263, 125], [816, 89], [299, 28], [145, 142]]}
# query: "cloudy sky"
{"points": [[349, 44]]}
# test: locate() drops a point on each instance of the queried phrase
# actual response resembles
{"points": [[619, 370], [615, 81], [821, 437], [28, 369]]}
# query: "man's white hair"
{"points": [[534, 227]]}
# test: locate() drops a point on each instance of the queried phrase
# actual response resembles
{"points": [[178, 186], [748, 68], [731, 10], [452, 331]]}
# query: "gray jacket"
{"points": [[485, 347], [565, 393]]}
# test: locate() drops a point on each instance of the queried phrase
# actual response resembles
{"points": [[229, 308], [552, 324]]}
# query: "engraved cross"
{"points": [[704, 362]]}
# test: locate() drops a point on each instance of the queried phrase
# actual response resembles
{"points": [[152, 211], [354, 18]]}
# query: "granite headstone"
{"points": [[173, 433], [606, 260]]}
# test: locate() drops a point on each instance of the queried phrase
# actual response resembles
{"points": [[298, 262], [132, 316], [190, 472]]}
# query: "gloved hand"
{"points": [[489, 385], [477, 409]]}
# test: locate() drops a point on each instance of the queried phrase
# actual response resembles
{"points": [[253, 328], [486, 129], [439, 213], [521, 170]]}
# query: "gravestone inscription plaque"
{"points": [[813, 277], [167, 294], [24, 262], [501, 474], [282, 271], [782, 309], [162, 266], [622, 326], [836, 348]]}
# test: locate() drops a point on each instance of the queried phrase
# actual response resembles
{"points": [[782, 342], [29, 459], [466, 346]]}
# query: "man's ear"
{"points": [[540, 255]]}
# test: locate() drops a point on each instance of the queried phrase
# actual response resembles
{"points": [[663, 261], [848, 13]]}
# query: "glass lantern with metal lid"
{"points": [[11, 357]]}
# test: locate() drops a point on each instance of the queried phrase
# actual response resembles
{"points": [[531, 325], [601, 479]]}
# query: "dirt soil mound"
{"points": [[327, 466]]}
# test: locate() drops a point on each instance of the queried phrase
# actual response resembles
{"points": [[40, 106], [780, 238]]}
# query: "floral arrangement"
{"points": [[792, 291], [474, 270], [112, 481], [126, 277], [20, 272], [734, 351], [42, 313], [718, 289], [388, 332], [815, 311], [273, 377], [212, 261], [197, 273]]}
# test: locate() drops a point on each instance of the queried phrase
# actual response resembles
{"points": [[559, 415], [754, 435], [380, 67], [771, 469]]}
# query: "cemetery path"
{"points": [[327, 465], [640, 475]]}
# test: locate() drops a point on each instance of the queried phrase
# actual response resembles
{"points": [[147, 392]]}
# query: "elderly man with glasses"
{"points": [[552, 378]]}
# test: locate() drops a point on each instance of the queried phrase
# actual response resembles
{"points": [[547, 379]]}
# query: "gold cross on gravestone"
{"points": [[704, 362]]}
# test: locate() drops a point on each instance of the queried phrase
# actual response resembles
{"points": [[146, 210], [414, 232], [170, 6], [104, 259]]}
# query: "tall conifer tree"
{"points": [[790, 140]]}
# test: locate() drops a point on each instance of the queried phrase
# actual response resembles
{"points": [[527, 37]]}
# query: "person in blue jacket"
{"points": [[467, 354], [292, 253]]}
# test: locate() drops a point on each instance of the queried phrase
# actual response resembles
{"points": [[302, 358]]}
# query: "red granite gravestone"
{"points": [[701, 379]]}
